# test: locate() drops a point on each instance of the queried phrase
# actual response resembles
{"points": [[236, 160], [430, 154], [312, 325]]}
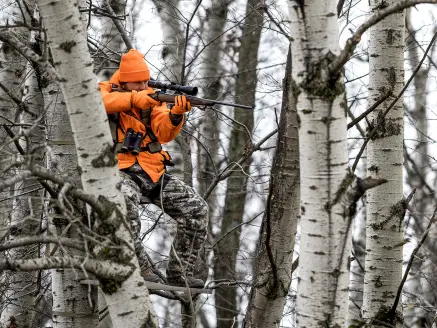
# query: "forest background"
{"points": [[245, 163]]}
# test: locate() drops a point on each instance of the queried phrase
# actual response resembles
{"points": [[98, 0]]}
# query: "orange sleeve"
{"points": [[161, 124], [114, 101]]}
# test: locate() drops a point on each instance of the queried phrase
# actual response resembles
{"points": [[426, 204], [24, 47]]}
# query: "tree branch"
{"points": [[69, 242], [229, 169], [410, 263], [102, 269], [118, 25], [10, 39], [371, 109], [353, 41]]}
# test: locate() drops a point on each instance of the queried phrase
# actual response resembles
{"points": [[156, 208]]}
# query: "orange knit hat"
{"points": [[133, 67]]}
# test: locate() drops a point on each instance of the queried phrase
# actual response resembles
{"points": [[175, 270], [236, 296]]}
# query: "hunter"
{"points": [[142, 125]]}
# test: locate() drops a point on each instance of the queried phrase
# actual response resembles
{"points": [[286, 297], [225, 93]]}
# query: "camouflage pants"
{"points": [[182, 203]]}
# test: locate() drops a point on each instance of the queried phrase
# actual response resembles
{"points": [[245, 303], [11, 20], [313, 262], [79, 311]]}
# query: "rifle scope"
{"points": [[187, 89]]}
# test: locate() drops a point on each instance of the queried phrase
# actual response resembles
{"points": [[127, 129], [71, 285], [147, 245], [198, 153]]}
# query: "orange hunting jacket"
{"points": [[130, 117]]}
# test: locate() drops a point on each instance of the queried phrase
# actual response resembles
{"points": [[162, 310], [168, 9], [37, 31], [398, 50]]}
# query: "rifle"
{"points": [[189, 92]]}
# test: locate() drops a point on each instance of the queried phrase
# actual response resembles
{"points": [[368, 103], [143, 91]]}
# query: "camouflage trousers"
{"points": [[180, 202]]}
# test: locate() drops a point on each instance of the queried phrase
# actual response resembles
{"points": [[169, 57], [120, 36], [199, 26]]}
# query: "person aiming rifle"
{"points": [[141, 121]]}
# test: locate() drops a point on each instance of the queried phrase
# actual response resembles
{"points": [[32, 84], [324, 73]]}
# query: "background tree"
{"points": [[272, 277], [384, 234], [323, 272], [317, 85], [419, 291], [63, 22], [226, 250]]}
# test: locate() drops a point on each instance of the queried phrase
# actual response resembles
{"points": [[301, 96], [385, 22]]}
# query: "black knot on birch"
{"points": [[321, 82], [106, 158]]}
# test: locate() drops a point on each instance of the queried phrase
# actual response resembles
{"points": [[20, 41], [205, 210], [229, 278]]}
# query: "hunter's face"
{"points": [[137, 86]]}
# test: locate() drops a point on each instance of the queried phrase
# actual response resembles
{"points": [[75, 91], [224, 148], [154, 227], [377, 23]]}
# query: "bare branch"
{"points": [[73, 243], [102, 269], [353, 41], [184, 55], [229, 169], [410, 262], [117, 24], [371, 109], [10, 39]]}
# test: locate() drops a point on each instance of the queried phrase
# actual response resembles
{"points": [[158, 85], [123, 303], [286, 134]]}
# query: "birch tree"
{"points": [[323, 273], [384, 233], [128, 301], [74, 304]]}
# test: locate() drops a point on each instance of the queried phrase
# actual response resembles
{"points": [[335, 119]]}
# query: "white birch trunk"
{"points": [[129, 303], [384, 233], [71, 301], [324, 246]]}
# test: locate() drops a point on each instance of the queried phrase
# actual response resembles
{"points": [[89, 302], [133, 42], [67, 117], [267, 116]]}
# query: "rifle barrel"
{"points": [[224, 103]]}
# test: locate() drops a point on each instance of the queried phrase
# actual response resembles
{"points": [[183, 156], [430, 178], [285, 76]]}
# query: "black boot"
{"points": [[149, 275]]}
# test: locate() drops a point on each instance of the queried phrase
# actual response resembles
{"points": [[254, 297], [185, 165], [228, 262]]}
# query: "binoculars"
{"points": [[132, 142]]}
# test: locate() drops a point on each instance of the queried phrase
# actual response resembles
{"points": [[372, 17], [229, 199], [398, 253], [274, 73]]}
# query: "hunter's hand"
{"points": [[142, 100], [181, 105]]}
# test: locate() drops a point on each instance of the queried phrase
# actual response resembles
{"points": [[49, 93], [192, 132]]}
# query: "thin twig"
{"points": [[371, 109], [410, 263], [229, 169], [118, 25], [353, 41]]}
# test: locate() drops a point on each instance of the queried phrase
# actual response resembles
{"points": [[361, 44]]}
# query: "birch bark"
{"points": [[74, 304], [128, 301], [324, 247], [384, 233]]}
